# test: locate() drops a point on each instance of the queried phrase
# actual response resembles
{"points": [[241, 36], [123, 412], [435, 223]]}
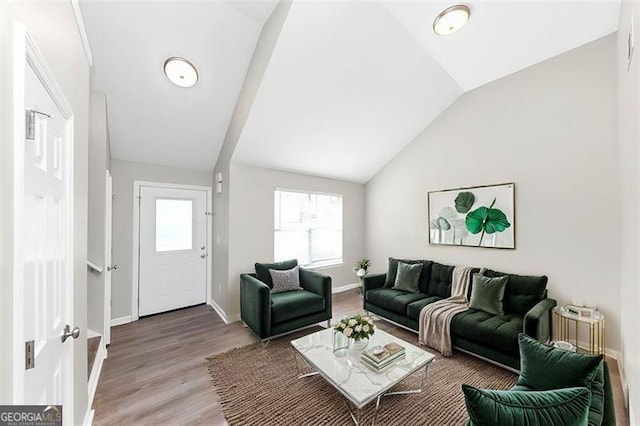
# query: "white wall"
{"points": [[124, 173], [54, 29], [251, 232], [629, 134], [99, 163], [552, 130], [259, 61]]}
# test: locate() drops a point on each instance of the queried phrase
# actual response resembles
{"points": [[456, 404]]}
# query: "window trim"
{"points": [[338, 262]]}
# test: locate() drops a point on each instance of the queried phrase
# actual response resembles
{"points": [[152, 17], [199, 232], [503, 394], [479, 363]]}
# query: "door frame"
{"points": [[25, 54], [108, 243], [135, 270]]}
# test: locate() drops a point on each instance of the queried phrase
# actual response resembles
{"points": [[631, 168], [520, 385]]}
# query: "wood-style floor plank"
{"points": [[155, 371]]}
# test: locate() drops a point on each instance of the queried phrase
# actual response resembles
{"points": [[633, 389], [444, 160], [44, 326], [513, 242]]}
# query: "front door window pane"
{"points": [[174, 225]]}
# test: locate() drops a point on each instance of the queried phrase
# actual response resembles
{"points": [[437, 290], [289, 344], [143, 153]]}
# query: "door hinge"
{"points": [[31, 122], [29, 357]]}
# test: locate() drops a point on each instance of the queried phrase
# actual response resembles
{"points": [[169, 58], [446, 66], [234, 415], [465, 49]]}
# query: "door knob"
{"points": [[202, 248], [202, 256], [67, 332], [114, 267]]}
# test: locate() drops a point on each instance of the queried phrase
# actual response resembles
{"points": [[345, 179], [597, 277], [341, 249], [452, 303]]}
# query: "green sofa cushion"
{"points": [[392, 271], [494, 331], [544, 367], [565, 407], [262, 270], [408, 277], [522, 293], [393, 300], [294, 304], [487, 294], [440, 281], [414, 308]]}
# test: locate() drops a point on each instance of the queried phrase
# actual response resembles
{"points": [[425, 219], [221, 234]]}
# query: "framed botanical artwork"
{"points": [[477, 216]]}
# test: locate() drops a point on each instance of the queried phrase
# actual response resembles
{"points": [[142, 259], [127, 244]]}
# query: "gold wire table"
{"points": [[566, 322]]}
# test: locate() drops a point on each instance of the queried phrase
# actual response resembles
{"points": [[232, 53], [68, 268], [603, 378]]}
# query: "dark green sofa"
{"points": [[269, 315], [492, 337]]}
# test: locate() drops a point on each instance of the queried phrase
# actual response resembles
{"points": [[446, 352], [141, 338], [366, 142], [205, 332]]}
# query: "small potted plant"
{"points": [[358, 328], [361, 268]]}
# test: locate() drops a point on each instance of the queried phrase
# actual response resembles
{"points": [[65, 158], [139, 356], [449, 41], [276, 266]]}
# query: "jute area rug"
{"points": [[259, 386]]}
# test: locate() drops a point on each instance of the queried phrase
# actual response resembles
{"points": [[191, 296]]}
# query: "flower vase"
{"points": [[340, 344], [360, 344]]}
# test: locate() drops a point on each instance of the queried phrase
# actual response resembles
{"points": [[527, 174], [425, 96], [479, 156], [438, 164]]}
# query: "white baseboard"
{"points": [[91, 333], [608, 351], [221, 313], [94, 377], [88, 418], [228, 319], [119, 321], [344, 288], [623, 382]]}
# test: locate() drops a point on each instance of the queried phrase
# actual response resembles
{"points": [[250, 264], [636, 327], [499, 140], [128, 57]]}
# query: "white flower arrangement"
{"points": [[357, 327]]}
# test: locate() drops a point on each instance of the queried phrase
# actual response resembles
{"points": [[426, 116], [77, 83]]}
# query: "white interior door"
{"points": [[47, 247], [107, 257], [173, 252]]}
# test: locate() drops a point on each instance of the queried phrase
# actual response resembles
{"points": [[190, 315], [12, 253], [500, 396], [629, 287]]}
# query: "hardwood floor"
{"points": [[155, 372]]}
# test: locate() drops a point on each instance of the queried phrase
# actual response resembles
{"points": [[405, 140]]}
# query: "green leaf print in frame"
{"points": [[479, 216]]}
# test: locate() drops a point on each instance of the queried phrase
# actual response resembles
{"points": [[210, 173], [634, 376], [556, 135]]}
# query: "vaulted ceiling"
{"points": [[349, 84]]}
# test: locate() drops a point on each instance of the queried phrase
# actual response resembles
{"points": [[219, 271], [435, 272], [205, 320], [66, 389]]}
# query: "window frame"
{"points": [[319, 264]]}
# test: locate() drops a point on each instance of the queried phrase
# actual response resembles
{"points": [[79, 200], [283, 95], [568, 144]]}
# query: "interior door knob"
{"points": [[67, 332], [114, 267], [202, 256]]}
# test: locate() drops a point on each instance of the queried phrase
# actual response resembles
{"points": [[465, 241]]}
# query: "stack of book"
{"points": [[379, 360]]}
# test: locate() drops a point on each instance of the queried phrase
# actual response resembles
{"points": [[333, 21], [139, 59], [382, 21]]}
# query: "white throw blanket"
{"points": [[435, 318]]}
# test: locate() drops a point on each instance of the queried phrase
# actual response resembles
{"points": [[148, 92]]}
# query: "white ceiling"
{"points": [[503, 37], [150, 119], [348, 86], [351, 84]]}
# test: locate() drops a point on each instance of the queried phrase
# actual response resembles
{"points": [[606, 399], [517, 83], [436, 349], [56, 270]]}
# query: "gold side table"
{"points": [[565, 322]]}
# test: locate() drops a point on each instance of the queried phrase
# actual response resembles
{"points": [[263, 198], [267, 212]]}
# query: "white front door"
{"points": [[173, 252], [47, 247]]}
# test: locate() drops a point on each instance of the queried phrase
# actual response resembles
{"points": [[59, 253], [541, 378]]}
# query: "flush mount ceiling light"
{"points": [[180, 71], [451, 19]]}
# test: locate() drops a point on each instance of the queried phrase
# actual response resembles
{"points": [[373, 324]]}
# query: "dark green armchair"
{"points": [[555, 387], [269, 314]]}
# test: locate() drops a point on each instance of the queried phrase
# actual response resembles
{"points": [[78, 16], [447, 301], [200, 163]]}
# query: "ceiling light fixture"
{"points": [[451, 19], [180, 71]]}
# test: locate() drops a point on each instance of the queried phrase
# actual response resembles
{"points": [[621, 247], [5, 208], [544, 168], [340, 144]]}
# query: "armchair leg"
{"points": [[328, 323]]}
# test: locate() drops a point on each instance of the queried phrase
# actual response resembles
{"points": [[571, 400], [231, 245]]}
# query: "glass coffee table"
{"points": [[358, 384]]}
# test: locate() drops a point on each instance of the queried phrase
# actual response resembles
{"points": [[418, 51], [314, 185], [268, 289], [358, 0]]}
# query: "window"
{"points": [[174, 225], [308, 227]]}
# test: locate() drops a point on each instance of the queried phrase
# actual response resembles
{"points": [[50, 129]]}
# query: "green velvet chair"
{"points": [[555, 387], [269, 314]]}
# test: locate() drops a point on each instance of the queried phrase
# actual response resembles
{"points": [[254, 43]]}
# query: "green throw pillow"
{"points": [[544, 367], [563, 407], [408, 277], [263, 274], [392, 271], [487, 294]]}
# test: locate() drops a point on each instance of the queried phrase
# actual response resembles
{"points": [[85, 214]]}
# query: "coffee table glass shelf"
{"points": [[567, 329], [358, 384]]}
